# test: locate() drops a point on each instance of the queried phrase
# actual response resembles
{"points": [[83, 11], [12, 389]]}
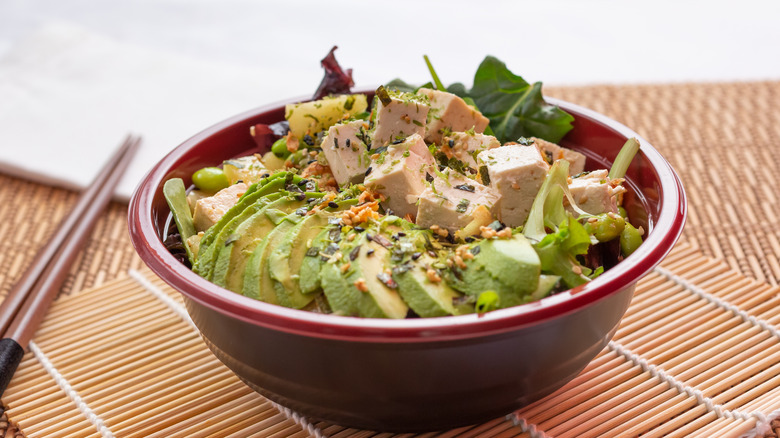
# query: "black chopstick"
{"points": [[25, 306]]}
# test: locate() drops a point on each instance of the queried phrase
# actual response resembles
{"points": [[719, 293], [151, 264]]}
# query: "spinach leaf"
{"points": [[515, 107]]}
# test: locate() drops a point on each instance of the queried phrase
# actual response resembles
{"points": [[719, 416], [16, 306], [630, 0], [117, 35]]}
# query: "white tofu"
{"points": [[346, 152], [403, 116], [465, 146], [595, 193], [450, 202], [517, 173], [450, 113], [209, 210], [399, 174], [554, 152]]}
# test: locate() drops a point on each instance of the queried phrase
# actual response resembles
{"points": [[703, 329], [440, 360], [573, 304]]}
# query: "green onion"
{"points": [[623, 159], [436, 80]]}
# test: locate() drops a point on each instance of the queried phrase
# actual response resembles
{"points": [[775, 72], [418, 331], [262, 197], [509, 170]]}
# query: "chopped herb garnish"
{"points": [[354, 253], [301, 211], [400, 269], [463, 205], [387, 280], [349, 102], [483, 173], [381, 93], [334, 235], [525, 141], [312, 117], [465, 187], [382, 240]]}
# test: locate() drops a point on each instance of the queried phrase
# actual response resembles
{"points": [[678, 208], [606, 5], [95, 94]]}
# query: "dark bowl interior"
{"points": [[420, 374]]}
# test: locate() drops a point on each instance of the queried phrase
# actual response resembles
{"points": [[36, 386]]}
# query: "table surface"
{"points": [[721, 138], [702, 84]]}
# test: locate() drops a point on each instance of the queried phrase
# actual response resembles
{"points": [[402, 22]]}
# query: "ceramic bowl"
{"points": [[416, 374]]}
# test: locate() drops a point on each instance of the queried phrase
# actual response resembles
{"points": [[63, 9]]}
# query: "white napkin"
{"points": [[68, 97]]}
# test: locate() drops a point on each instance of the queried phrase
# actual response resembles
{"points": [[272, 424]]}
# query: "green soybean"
{"points": [[487, 301], [606, 226], [630, 239], [279, 148], [210, 179]]}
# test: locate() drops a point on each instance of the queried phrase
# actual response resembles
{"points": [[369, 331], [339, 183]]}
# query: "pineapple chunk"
{"points": [[247, 169], [312, 117]]}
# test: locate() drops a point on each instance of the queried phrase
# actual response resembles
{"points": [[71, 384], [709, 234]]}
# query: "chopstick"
{"points": [[25, 306]]}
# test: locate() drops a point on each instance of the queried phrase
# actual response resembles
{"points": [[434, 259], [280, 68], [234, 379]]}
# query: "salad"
{"points": [[419, 202]]}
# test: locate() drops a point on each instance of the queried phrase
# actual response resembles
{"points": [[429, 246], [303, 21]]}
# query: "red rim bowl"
{"points": [[656, 200]]}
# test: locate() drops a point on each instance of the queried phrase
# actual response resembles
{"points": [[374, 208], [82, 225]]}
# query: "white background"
{"points": [[559, 42], [252, 53]]}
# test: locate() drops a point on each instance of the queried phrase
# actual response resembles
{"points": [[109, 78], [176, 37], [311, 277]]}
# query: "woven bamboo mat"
{"points": [[720, 137], [697, 353]]}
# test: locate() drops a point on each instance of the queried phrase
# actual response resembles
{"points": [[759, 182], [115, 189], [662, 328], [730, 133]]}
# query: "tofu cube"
{"points": [[450, 113], [517, 173], [403, 116], [450, 202], [465, 146], [346, 152], [595, 192], [399, 174], [209, 210], [554, 152]]}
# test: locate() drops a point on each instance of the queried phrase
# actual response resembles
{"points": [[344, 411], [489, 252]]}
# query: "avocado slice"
{"points": [[216, 236], [309, 279], [428, 298], [232, 257], [257, 269], [286, 258], [510, 267], [273, 184], [363, 288]]}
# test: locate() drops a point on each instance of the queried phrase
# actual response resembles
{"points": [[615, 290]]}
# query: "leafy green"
{"points": [[515, 107], [623, 159], [176, 197], [400, 85], [557, 252]]}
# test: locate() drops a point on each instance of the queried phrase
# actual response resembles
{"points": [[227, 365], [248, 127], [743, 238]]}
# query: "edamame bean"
{"points": [[279, 148], [606, 226], [630, 239], [487, 301], [210, 179]]}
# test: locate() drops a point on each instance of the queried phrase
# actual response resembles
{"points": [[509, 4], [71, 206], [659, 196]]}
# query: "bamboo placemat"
{"points": [[721, 138], [697, 353]]}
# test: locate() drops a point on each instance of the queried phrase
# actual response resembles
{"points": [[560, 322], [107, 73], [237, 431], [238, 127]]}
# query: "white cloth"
{"points": [[68, 97]]}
